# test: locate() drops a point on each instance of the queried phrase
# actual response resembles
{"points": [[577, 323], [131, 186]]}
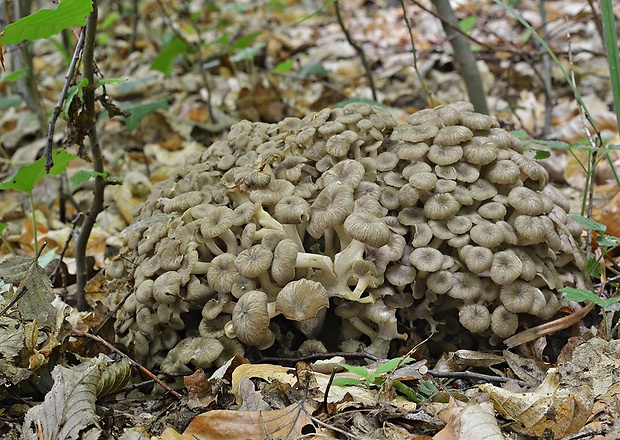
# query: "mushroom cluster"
{"points": [[343, 229]]}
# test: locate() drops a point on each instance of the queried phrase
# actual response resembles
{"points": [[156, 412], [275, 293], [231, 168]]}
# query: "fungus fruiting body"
{"points": [[346, 227]]}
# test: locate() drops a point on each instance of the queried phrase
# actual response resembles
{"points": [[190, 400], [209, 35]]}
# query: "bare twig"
{"points": [[97, 205], [474, 376], [358, 49], [415, 56], [135, 364], [49, 162]]}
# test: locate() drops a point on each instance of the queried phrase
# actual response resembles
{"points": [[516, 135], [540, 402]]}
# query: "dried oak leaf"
{"points": [[550, 409]]}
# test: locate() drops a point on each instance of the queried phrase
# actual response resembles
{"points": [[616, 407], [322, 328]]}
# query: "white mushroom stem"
{"points": [[229, 239], [362, 327], [345, 259], [267, 286], [200, 268], [266, 220], [291, 231], [316, 261]]}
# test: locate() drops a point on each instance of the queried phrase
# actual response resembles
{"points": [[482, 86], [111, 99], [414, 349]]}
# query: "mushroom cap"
{"points": [[426, 259], [302, 299], [526, 201], [254, 261], [492, 211], [284, 257], [503, 172], [530, 228], [478, 259], [444, 155], [292, 210], [251, 318], [441, 206], [400, 275], [480, 151], [331, 207], [477, 121], [517, 297], [167, 287], [216, 221], [488, 235], [424, 181], [221, 272], [475, 317], [273, 193], [348, 172], [506, 267], [368, 229], [453, 135], [504, 323], [440, 282], [467, 286]]}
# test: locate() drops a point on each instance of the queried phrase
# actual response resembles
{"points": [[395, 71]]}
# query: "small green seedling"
{"points": [[29, 175], [379, 377]]}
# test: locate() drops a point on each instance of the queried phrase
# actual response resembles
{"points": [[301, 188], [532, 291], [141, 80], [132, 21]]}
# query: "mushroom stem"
{"points": [[266, 220], [291, 231], [200, 268], [345, 259], [362, 327]]}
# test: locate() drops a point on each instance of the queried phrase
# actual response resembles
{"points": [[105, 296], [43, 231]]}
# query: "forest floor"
{"points": [[265, 61]]}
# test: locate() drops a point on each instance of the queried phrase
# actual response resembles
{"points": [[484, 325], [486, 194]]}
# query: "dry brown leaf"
{"points": [[549, 409], [469, 422], [223, 424]]}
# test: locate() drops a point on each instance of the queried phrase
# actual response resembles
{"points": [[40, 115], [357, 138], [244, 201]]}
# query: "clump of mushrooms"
{"points": [[347, 228]]}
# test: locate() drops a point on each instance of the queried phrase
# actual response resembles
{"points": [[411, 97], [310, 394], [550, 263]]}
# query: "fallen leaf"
{"points": [[550, 408], [224, 424]]}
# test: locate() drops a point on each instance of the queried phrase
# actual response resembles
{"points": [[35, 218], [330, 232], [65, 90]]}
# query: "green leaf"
{"points": [[313, 69], [243, 41], [427, 388], [539, 154], [392, 363], [407, 392], [164, 62], [573, 294], [106, 81], [608, 241], [141, 110], [556, 145], [588, 223], [519, 133], [361, 371], [71, 93], [246, 54], [346, 381], [10, 101], [83, 175], [47, 22], [14, 76], [47, 257], [29, 175], [467, 24], [284, 66], [3, 227]]}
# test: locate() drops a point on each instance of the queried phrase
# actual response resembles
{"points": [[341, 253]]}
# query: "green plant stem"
{"points": [[611, 48], [96, 207], [34, 224]]}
